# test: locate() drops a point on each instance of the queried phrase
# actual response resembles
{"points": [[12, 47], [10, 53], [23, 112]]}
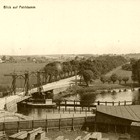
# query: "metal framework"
{"points": [[26, 76]]}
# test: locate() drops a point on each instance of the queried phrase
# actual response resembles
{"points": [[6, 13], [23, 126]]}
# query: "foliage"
{"points": [[108, 79], [103, 79], [87, 75], [125, 79], [114, 77], [120, 79], [11, 59], [136, 71], [99, 66], [87, 98], [127, 67], [4, 88], [3, 58], [4, 91]]}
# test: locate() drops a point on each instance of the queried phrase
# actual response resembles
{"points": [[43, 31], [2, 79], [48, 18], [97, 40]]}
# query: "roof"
{"points": [[130, 112]]}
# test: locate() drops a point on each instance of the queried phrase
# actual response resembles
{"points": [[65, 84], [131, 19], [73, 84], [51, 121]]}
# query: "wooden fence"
{"points": [[47, 124], [71, 103]]}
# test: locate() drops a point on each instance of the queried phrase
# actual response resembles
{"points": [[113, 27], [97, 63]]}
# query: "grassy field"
{"points": [[98, 85], [121, 73], [6, 68]]}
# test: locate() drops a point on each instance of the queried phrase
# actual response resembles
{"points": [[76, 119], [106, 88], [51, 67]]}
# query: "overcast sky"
{"points": [[70, 27]]}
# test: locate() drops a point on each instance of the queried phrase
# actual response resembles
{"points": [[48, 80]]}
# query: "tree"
{"points": [[29, 58], [11, 59], [103, 79], [136, 71], [3, 58], [125, 79], [87, 98], [108, 79], [120, 79], [87, 75], [114, 78]]}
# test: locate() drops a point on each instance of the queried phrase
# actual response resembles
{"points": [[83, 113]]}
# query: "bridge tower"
{"points": [[26, 85], [13, 86]]}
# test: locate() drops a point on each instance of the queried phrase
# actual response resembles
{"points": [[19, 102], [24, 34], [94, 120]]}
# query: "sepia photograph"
{"points": [[69, 70]]}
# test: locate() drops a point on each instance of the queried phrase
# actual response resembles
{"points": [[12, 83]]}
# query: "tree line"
{"points": [[113, 78], [89, 69], [136, 71]]}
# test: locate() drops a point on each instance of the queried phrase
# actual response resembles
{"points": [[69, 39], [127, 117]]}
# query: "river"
{"points": [[109, 97]]}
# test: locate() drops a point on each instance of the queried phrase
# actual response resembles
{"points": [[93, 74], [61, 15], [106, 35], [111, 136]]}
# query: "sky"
{"points": [[70, 27]]}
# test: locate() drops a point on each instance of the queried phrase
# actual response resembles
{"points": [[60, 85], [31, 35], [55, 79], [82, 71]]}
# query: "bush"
{"points": [[87, 98]]}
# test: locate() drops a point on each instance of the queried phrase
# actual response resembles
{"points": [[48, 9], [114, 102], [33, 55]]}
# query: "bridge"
{"points": [[13, 99]]}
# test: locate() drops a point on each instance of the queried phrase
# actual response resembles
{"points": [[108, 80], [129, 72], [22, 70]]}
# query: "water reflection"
{"points": [[116, 96], [41, 113]]}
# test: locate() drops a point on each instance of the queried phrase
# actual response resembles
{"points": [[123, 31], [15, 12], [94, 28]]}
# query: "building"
{"points": [[119, 119]]}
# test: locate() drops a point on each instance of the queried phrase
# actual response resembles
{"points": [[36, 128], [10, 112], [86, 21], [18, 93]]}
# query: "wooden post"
{"points": [[73, 122], [32, 124], [74, 105], [18, 127], [119, 103], [124, 102], [46, 127], [89, 108], [98, 102], [113, 103], [65, 105], [59, 106], [4, 127], [106, 103], [60, 123]]}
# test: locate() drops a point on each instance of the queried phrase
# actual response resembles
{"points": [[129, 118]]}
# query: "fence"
{"points": [[47, 124], [68, 103]]}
